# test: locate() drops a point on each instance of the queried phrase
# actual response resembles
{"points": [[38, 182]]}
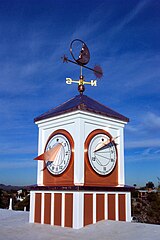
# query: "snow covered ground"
{"points": [[14, 225]]}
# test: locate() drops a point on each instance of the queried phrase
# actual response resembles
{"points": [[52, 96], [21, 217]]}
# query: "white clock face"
{"points": [[102, 154], [62, 154]]}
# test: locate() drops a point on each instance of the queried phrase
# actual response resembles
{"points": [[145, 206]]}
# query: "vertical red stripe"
{"points": [[122, 207], [99, 207], [68, 210], [57, 208], [37, 213], [47, 208], [88, 209], [111, 207]]}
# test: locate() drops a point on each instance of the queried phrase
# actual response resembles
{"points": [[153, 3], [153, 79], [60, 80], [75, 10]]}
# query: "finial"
{"points": [[81, 87]]}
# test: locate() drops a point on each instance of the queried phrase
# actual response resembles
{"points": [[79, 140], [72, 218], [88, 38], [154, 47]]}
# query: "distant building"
{"points": [[142, 194]]}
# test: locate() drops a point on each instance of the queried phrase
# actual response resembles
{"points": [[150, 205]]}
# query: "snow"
{"points": [[14, 225]]}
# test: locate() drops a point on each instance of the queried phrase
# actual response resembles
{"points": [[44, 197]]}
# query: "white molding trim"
{"points": [[40, 163], [120, 147], [63, 210], [79, 152], [71, 115], [94, 207], [32, 207], [42, 208], [52, 208], [128, 207], [106, 206], [116, 207], [78, 210]]}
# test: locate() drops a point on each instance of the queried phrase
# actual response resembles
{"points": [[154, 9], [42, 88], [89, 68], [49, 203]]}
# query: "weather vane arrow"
{"points": [[97, 69]]}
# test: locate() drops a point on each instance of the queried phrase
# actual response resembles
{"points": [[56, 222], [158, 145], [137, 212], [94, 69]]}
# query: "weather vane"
{"points": [[81, 56]]}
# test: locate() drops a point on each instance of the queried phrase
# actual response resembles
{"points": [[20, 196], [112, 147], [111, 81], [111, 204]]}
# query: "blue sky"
{"points": [[123, 37]]}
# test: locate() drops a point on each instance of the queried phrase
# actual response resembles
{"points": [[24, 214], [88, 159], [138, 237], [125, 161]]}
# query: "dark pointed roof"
{"points": [[83, 103]]}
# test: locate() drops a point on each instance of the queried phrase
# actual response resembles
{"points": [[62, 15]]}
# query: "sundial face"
{"points": [[102, 154], [62, 154]]}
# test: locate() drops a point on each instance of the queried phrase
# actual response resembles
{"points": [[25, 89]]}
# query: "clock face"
{"points": [[61, 154], [102, 154]]}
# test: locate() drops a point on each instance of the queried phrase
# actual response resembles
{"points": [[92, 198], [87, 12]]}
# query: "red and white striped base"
{"points": [[77, 209]]}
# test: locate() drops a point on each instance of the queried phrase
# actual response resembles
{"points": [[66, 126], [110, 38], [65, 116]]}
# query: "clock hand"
{"points": [[51, 154], [106, 144]]}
